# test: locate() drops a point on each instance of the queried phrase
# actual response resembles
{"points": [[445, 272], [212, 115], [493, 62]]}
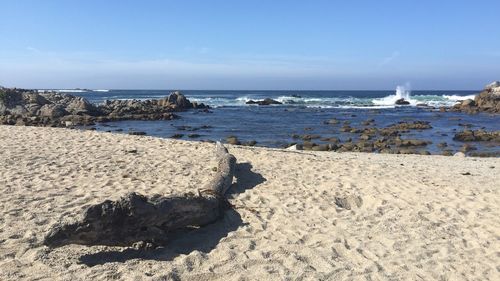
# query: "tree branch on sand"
{"points": [[137, 218]]}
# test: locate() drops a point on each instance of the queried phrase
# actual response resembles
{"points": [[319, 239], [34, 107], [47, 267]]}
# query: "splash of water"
{"points": [[402, 92]]}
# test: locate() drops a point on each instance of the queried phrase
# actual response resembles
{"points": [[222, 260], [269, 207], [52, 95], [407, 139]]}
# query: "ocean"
{"points": [[303, 112]]}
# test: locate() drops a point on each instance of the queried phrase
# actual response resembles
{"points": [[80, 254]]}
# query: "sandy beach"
{"points": [[421, 217]]}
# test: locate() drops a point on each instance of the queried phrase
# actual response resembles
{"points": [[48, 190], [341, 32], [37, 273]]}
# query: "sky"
{"points": [[250, 45]]}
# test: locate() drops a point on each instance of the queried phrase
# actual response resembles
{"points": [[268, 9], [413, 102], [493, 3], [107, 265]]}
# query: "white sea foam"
{"points": [[402, 92], [431, 99], [104, 91], [458, 98], [70, 91]]}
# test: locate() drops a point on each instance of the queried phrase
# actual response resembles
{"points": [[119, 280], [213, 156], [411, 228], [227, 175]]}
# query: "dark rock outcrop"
{"points": [[28, 107], [266, 101], [402, 102], [477, 135], [486, 101]]}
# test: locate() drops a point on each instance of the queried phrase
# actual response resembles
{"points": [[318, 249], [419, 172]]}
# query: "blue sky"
{"points": [[249, 44]]}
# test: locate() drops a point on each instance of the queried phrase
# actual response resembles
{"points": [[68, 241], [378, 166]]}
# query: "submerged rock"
{"points": [[137, 133], [411, 142], [233, 140], [477, 135]]}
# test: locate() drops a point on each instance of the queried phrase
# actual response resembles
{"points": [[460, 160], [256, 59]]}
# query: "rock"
{"points": [[485, 154], [447, 152], [365, 137], [459, 154], [179, 100], [310, 137], [495, 86], [477, 135], [52, 111], [468, 102], [294, 147], [407, 151], [137, 133], [80, 106], [321, 147], [345, 147], [467, 147], [442, 144], [348, 202], [486, 101], [332, 122], [177, 136], [332, 140], [368, 122], [233, 140], [402, 102], [415, 125], [346, 128], [411, 142], [192, 136], [266, 101], [307, 145], [250, 143]]}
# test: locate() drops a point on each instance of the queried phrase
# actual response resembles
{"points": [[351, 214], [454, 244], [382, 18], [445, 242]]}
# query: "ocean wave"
{"points": [[70, 91], [310, 100], [459, 98], [339, 102]]}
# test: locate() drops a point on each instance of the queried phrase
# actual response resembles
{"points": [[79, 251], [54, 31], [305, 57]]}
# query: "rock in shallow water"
{"points": [[402, 102], [477, 135], [266, 101]]}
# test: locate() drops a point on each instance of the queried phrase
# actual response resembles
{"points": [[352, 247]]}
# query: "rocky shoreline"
{"points": [[487, 101], [30, 108], [392, 140]]}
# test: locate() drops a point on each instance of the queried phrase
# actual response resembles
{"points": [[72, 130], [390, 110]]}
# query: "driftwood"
{"points": [[136, 218]]}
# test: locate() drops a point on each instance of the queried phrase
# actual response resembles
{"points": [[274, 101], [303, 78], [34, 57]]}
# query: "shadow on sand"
{"points": [[203, 239]]}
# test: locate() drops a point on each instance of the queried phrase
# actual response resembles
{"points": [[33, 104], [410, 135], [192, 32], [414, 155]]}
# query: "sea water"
{"points": [[304, 112]]}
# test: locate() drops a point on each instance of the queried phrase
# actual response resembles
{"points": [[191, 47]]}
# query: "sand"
{"points": [[421, 218]]}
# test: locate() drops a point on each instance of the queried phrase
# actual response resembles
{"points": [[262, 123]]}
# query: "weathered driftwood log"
{"points": [[136, 218]]}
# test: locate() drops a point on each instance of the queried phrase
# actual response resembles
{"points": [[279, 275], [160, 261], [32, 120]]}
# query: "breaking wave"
{"points": [[310, 99], [339, 102]]}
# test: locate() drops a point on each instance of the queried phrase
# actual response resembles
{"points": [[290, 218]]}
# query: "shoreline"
{"points": [[402, 130], [430, 217]]}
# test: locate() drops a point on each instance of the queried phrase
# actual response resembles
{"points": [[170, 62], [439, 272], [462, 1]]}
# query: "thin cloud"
{"points": [[33, 49], [389, 59]]}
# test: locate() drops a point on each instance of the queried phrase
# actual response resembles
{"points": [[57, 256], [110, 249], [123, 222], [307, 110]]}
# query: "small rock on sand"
{"points": [[348, 202]]}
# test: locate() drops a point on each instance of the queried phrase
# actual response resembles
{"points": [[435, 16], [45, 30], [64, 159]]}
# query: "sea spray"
{"points": [[308, 99], [402, 92]]}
